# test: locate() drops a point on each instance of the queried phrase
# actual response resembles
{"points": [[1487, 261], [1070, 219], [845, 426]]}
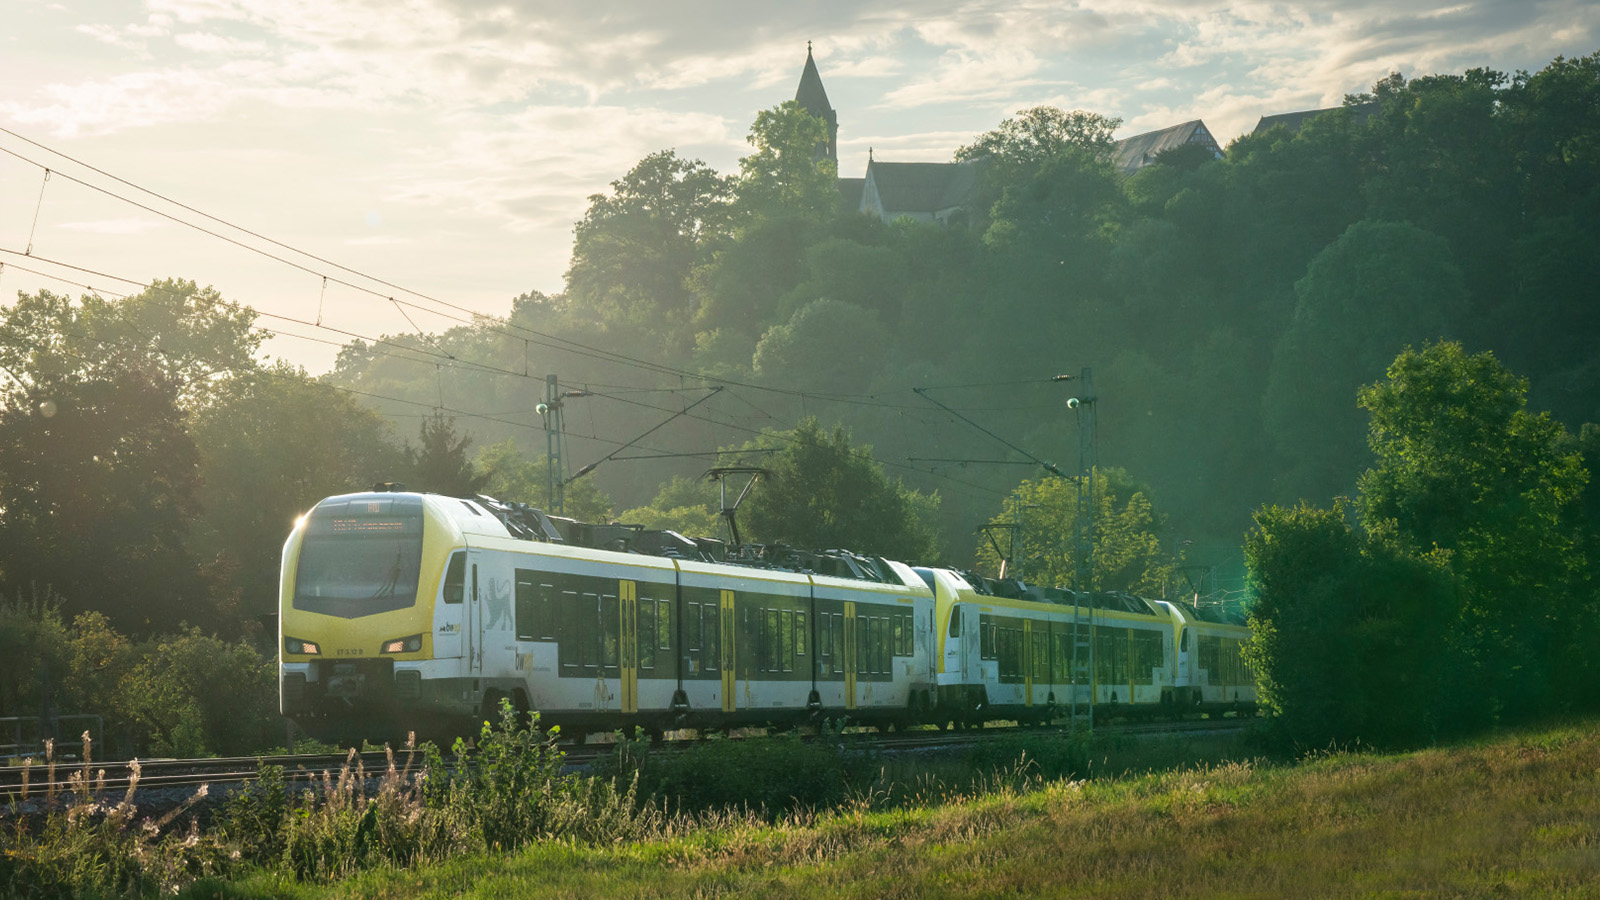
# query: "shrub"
{"points": [[514, 792], [771, 775]]}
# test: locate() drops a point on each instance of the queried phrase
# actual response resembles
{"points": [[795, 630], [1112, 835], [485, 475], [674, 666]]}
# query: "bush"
{"points": [[192, 695], [770, 775], [34, 652], [1033, 755], [513, 790]]}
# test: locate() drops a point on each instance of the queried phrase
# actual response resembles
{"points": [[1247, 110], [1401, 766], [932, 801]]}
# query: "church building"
{"points": [[940, 192]]}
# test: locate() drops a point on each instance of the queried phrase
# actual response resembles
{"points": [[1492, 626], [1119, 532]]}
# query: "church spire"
{"points": [[814, 100]]}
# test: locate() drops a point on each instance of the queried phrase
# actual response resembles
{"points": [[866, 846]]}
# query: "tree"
{"points": [[1459, 601], [98, 483], [190, 334], [687, 506], [823, 492], [1127, 548], [439, 463], [634, 249], [1353, 636], [1034, 136], [785, 176], [1378, 288], [1461, 465], [827, 346], [511, 476], [273, 442], [1034, 155]]}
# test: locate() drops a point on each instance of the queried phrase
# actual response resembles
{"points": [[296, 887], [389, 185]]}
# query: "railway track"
{"points": [[113, 778]]}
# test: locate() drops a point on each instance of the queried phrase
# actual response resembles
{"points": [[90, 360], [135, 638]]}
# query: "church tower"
{"points": [[814, 100]]}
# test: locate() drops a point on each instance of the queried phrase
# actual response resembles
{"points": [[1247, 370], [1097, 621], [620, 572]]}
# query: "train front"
{"points": [[358, 580]]}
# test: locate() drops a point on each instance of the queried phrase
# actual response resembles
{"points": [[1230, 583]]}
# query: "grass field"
{"points": [[1513, 816]]}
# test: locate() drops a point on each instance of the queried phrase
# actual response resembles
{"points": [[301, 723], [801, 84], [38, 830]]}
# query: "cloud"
{"points": [[133, 100], [204, 42], [107, 34], [536, 168]]}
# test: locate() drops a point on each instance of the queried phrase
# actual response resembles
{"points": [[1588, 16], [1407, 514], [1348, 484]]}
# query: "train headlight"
{"points": [[297, 646], [403, 645]]}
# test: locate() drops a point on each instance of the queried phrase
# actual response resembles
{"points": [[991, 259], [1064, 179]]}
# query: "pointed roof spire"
{"points": [[810, 94], [814, 100]]}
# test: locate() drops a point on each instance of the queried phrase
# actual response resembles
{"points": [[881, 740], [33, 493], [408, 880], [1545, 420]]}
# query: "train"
{"points": [[405, 612]]}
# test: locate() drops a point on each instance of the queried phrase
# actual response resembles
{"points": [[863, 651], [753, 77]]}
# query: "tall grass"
{"points": [[508, 791]]}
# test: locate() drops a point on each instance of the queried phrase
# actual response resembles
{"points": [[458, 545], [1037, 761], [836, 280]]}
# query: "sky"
{"points": [[444, 148]]}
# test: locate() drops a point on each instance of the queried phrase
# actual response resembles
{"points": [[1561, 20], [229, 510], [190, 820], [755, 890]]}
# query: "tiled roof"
{"points": [[921, 187], [1132, 154], [1294, 120]]}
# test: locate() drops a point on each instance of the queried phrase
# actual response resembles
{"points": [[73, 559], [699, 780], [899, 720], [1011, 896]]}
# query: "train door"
{"points": [[1027, 662], [1184, 675], [955, 645], [472, 612], [849, 654], [628, 595], [729, 632]]}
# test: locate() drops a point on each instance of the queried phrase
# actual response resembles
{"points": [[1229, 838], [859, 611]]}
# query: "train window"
{"points": [[799, 634], [884, 645], [573, 630], [663, 625], [544, 612], [588, 631], [524, 612], [838, 648], [710, 637], [610, 631], [986, 637], [455, 578], [863, 642], [1183, 641], [644, 635], [1041, 653], [770, 643], [1147, 656], [786, 640], [955, 621]]}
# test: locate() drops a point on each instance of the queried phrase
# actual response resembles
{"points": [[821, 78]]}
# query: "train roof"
{"points": [[1211, 612], [1016, 589], [519, 521]]}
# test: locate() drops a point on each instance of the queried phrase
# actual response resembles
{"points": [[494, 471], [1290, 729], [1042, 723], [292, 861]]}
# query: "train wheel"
{"points": [[490, 710]]}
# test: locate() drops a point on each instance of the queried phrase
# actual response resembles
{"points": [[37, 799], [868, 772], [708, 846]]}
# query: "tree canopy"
{"points": [[1128, 555], [1464, 585]]}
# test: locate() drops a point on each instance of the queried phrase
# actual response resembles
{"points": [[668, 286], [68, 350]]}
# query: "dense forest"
{"points": [[1230, 309]]}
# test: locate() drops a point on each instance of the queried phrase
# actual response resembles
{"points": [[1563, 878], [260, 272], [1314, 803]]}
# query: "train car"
{"points": [[1210, 674], [417, 612], [1009, 650]]}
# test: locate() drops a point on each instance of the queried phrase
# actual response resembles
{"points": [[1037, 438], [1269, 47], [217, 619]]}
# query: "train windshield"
{"points": [[360, 557]]}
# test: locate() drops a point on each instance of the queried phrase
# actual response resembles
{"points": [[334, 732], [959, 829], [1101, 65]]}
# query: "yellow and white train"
{"points": [[418, 612]]}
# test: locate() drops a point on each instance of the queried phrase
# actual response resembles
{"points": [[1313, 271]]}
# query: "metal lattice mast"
{"points": [[1083, 549], [555, 471]]}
